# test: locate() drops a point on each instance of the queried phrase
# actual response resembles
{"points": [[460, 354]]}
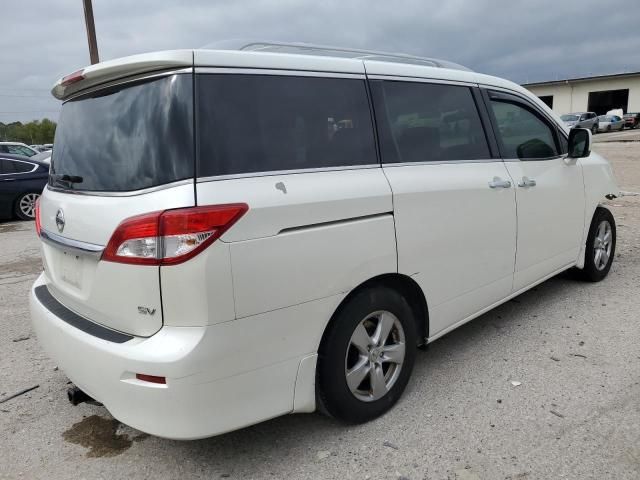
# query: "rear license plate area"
{"points": [[71, 268]]}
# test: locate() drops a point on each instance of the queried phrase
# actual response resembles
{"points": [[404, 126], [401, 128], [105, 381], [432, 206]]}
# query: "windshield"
{"points": [[126, 138], [604, 118], [17, 149], [569, 118]]}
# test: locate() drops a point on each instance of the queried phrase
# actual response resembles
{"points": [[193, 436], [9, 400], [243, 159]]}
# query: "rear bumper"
{"points": [[209, 390]]}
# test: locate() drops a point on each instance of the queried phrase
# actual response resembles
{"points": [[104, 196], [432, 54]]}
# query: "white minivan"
{"points": [[230, 236]]}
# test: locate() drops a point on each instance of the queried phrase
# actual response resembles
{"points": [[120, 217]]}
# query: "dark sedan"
{"points": [[21, 182]]}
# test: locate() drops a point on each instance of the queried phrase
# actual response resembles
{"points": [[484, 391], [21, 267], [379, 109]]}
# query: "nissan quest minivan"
{"points": [[229, 236]]}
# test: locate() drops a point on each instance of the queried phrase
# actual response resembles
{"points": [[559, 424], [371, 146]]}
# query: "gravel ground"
{"points": [[576, 414]]}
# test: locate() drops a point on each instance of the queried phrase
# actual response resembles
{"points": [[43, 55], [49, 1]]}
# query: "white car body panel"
{"points": [[238, 327], [556, 199], [108, 293], [308, 262], [436, 206], [599, 182], [213, 385]]}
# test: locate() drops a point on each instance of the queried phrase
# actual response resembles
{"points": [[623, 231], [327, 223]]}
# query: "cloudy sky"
{"points": [[525, 41]]}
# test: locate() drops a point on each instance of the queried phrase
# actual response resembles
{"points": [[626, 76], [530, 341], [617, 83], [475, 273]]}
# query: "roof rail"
{"points": [[328, 51]]}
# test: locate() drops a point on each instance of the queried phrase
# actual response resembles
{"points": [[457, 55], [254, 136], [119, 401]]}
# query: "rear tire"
{"points": [[25, 206], [600, 247], [366, 356], [594, 129]]}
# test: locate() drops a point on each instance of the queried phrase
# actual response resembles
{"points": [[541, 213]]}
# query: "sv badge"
{"points": [[146, 311]]}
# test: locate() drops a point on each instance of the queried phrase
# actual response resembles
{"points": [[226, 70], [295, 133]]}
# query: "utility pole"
{"points": [[91, 31]]}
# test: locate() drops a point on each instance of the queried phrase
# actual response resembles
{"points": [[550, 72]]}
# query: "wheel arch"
{"points": [[404, 285], [583, 247]]}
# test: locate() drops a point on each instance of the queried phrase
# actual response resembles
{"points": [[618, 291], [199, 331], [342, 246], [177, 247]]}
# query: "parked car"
{"points": [[609, 123], [581, 120], [631, 119], [44, 157], [21, 182], [280, 249], [17, 148]]}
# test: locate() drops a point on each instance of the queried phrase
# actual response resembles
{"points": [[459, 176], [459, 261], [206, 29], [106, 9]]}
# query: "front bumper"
{"points": [[212, 385]]}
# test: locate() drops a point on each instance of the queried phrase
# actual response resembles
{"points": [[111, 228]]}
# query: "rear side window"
{"points": [[421, 122], [263, 123], [522, 133], [126, 138], [9, 166], [22, 167]]}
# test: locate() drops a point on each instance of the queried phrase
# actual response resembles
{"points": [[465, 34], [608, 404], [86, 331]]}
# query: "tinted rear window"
{"points": [[263, 123], [9, 166], [422, 122], [126, 138]]}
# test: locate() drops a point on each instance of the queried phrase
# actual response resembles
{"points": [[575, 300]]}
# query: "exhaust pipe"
{"points": [[77, 396]]}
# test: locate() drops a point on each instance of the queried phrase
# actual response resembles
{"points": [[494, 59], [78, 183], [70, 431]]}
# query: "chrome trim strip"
{"points": [[335, 222], [274, 71], [556, 157], [129, 79], [132, 193], [442, 162], [403, 78], [216, 178], [84, 248]]}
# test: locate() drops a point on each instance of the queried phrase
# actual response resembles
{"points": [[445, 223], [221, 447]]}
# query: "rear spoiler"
{"points": [[120, 68]]}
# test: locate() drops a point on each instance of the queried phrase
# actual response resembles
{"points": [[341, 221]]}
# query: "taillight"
{"points": [[38, 224], [172, 236], [72, 78]]}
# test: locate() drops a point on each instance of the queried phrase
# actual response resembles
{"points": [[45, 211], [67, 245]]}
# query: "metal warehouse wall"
{"points": [[574, 96]]}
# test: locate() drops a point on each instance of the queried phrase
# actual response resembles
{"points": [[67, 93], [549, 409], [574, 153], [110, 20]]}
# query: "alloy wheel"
{"points": [[602, 244], [27, 204], [375, 356]]}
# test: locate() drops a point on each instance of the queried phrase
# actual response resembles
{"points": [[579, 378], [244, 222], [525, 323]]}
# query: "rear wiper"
{"points": [[67, 178]]}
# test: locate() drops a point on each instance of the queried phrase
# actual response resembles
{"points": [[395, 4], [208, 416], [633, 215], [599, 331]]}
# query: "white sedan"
{"points": [[609, 123]]}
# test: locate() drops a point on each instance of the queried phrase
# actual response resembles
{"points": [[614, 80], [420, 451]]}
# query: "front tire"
{"points": [[600, 247], [25, 206], [366, 356]]}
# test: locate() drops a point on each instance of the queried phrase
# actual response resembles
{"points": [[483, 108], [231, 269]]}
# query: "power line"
{"points": [[30, 111], [27, 96], [25, 89]]}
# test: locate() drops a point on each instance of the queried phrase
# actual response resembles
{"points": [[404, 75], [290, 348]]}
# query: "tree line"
{"points": [[36, 132]]}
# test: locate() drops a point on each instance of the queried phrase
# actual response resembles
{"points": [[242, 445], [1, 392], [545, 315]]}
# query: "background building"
{"points": [[591, 94]]}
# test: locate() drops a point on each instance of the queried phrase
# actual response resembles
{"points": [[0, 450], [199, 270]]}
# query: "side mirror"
{"points": [[579, 143]]}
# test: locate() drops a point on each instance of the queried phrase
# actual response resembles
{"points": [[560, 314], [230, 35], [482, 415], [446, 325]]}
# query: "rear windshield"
{"points": [[569, 118], [126, 138]]}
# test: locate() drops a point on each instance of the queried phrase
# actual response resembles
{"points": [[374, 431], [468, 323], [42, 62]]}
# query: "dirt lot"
{"points": [[573, 346]]}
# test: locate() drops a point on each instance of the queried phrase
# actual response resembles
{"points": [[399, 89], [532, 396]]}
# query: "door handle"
{"points": [[527, 182], [497, 182]]}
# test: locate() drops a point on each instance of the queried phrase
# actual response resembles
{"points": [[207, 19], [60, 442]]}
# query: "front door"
{"points": [[549, 188]]}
